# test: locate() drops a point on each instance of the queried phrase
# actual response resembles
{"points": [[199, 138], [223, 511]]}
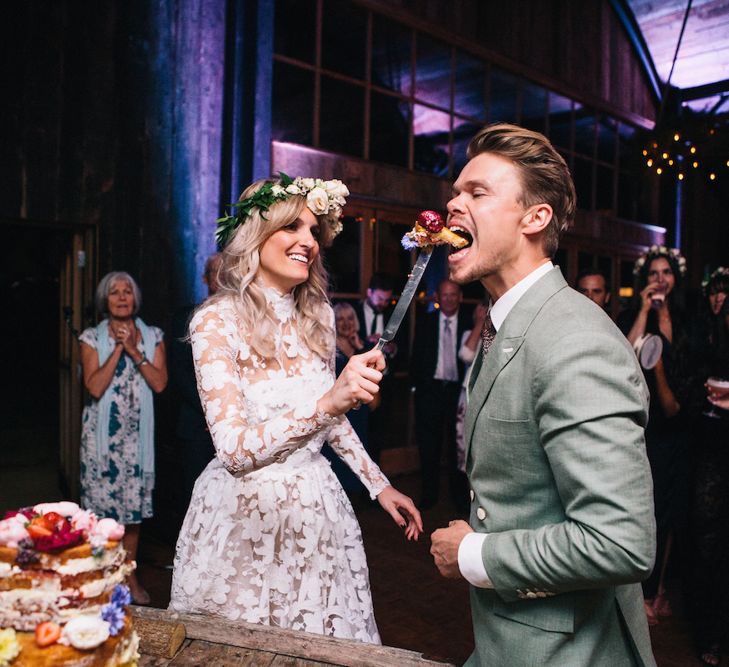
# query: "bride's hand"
{"points": [[403, 511], [358, 383]]}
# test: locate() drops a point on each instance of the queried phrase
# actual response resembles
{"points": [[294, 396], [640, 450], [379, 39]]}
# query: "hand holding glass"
{"points": [[716, 388]]}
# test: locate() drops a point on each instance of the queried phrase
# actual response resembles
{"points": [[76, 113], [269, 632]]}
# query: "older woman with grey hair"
{"points": [[123, 361]]}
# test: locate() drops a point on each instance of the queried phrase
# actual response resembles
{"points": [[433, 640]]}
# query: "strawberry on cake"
{"points": [[62, 595]]}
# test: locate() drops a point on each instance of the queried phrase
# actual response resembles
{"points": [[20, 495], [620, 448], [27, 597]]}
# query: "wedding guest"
{"points": [[270, 536], [123, 362], [470, 344], [436, 374], [373, 313], [195, 444], [349, 343], [659, 310], [561, 525], [709, 586], [593, 284]]}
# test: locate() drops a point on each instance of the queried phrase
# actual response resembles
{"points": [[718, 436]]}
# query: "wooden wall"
{"points": [[578, 48]]}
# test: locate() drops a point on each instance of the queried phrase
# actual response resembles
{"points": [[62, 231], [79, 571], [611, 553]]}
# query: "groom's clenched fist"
{"points": [[444, 547]]}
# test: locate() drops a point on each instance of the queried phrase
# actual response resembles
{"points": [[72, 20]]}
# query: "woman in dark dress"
{"points": [[659, 310], [709, 589]]}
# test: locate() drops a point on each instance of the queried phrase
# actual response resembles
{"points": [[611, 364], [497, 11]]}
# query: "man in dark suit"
{"points": [[372, 314], [436, 373], [195, 444]]}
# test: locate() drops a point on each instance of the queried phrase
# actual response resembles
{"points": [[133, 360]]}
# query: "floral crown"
{"points": [[718, 273], [660, 251], [323, 198]]}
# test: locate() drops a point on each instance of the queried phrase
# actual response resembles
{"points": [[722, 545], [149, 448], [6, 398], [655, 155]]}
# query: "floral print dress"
{"points": [[116, 486], [270, 537]]}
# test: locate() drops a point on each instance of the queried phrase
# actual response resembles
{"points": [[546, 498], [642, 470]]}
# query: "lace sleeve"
{"points": [[346, 443], [240, 445]]}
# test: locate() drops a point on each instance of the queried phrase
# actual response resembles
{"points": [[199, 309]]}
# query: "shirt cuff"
{"points": [[470, 561]]}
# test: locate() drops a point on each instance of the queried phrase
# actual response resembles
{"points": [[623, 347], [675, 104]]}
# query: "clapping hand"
{"points": [[402, 510]]}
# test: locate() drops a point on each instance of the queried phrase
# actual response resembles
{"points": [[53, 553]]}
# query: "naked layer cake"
{"points": [[63, 600]]}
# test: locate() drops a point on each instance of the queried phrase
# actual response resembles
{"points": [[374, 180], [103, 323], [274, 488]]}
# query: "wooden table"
{"points": [[168, 638]]}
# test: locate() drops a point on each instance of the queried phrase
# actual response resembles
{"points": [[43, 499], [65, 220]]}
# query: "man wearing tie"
{"points": [[436, 373], [561, 523], [373, 314]]}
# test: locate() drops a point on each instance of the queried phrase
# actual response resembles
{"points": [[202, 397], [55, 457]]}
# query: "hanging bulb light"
{"points": [[695, 165], [692, 149], [659, 171], [712, 176], [680, 177], [676, 136]]}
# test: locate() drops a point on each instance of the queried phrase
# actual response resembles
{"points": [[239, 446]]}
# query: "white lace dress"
{"points": [[270, 536]]}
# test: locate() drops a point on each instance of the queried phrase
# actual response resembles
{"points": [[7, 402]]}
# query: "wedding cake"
{"points": [[63, 600]]}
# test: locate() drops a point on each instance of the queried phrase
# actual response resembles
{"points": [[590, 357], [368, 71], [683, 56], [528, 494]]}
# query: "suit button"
{"points": [[481, 513], [473, 495]]}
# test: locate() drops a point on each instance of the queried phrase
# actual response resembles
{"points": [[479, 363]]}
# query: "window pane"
{"points": [[533, 107], [293, 104], [433, 72], [295, 29], [463, 131], [343, 258], [629, 188], [431, 129], [582, 173], [502, 97], [389, 128], [391, 55], [604, 189], [560, 120], [470, 86], [584, 132], [627, 144], [344, 38], [606, 134], [341, 126], [389, 254]]}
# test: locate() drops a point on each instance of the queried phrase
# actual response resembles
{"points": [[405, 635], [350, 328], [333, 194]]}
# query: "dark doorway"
{"points": [[31, 258]]}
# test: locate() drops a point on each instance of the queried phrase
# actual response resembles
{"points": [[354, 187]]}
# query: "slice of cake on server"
{"points": [[63, 600]]}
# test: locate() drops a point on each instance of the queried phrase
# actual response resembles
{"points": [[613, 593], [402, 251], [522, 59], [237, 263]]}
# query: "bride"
{"points": [[270, 536]]}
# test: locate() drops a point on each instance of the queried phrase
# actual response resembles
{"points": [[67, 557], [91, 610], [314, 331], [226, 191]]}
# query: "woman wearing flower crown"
{"points": [[709, 589], [659, 311], [270, 536]]}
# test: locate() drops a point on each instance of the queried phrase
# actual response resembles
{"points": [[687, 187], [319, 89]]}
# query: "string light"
{"points": [[712, 176], [676, 136], [695, 165], [659, 171], [692, 149], [680, 177]]}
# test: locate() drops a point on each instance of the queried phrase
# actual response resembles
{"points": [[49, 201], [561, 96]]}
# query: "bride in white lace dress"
{"points": [[270, 536]]}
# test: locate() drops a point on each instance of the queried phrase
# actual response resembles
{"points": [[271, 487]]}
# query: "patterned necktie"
{"points": [[450, 372], [488, 333]]}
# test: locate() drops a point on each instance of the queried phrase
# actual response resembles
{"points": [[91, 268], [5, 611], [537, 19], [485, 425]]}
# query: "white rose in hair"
{"points": [[337, 190], [318, 201], [308, 183], [277, 190], [293, 189]]}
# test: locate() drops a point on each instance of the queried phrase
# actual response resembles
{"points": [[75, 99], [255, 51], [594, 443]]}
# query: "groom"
{"points": [[561, 520]]}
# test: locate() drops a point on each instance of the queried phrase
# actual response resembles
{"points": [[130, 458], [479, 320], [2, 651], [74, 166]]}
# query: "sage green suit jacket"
{"points": [[560, 480]]}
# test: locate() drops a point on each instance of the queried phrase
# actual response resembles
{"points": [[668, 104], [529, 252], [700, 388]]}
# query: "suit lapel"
{"points": [[508, 340]]}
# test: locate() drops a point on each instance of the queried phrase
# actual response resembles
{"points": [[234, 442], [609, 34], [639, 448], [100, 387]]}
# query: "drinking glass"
{"points": [[716, 387]]}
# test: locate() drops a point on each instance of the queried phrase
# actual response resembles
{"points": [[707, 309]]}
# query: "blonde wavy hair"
{"points": [[241, 260]]}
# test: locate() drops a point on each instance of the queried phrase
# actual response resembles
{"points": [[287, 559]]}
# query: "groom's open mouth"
{"points": [[457, 229]]}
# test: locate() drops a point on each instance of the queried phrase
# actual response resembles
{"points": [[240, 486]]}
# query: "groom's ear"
{"points": [[536, 218]]}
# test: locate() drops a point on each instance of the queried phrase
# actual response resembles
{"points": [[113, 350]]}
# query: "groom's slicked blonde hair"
{"points": [[545, 176]]}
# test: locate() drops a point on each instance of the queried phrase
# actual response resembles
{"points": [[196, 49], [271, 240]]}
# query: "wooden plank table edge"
{"points": [[344, 652]]}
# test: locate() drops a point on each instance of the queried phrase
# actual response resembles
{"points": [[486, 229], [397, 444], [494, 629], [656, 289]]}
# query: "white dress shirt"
{"points": [[440, 363], [370, 315], [470, 561]]}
